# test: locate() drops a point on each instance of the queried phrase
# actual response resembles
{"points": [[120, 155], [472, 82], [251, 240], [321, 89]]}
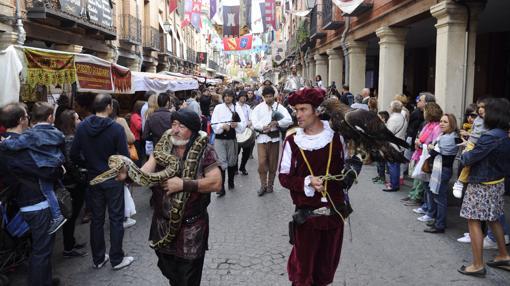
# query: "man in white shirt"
{"points": [[266, 118], [226, 121], [294, 81]]}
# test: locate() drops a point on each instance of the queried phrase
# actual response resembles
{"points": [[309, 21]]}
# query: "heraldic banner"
{"points": [[48, 68], [238, 44]]}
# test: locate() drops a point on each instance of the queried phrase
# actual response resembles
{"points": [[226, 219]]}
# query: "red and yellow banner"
{"points": [[93, 74], [238, 44], [48, 68]]}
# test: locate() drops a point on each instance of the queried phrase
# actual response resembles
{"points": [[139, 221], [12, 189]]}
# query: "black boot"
{"points": [[231, 174], [222, 192]]}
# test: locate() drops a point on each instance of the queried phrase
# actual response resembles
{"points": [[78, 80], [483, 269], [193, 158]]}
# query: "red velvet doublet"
{"points": [[318, 242]]}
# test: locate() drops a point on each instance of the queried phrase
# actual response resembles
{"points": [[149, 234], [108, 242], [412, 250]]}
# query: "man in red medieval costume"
{"points": [[316, 231]]}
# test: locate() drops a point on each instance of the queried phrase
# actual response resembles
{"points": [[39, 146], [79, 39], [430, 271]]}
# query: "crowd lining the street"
{"points": [[52, 144]]}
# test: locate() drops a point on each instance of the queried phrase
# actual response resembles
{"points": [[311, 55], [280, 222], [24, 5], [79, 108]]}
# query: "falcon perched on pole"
{"points": [[365, 130]]}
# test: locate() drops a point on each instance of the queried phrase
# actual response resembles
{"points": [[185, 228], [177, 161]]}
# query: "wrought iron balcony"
{"points": [[331, 15], [151, 39], [70, 14], [315, 32], [130, 30]]}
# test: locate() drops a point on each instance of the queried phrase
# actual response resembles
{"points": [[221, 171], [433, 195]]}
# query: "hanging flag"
{"points": [[212, 8], [201, 58], [231, 21], [347, 6], [257, 25], [188, 11], [238, 44], [172, 5], [247, 13], [196, 13], [269, 14]]}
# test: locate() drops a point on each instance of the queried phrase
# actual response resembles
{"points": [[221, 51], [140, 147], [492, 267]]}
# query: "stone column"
{"points": [[68, 48], [8, 38], [311, 70], [450, 59], [321, 68], [357, 52], [391, 64], [335, 67]]}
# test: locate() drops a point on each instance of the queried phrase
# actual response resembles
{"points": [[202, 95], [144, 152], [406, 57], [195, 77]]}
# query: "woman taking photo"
{"points": [[483, 200], [442, 153]]}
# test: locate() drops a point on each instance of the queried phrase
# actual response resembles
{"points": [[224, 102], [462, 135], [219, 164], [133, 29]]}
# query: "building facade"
{"points": [[457, 49], [140, 34]]}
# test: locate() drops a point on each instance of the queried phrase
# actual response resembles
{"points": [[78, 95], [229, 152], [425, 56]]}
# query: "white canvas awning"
{"points": [[143, 81], [347, 6]]}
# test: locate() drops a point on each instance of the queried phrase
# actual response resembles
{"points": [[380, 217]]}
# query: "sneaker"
{"points": [[129, 222], [465, 239], [419, 211], [425, 218], [100, 265], [488, 243], [56, 224], [74, 253], [457, 189], [376, 179], [126, 261]]}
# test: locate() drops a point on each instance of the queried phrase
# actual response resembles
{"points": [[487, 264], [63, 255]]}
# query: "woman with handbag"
{"points": [[483, 200], [75, 182], [128, 200], [442, 155], [432, 113]]}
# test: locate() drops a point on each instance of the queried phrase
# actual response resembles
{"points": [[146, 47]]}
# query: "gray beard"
{"points": [[178, 142]]}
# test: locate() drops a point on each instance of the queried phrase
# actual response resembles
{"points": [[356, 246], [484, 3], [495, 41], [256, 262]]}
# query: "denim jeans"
{"points": [[394, 170], [381, 169], [427, 197], [109, 194], [39, 273], [506, 228], [48, 191], [439, 202]]}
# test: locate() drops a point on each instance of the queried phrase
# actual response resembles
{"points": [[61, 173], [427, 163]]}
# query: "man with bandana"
{"points": [[321, 203], [182, 260]]}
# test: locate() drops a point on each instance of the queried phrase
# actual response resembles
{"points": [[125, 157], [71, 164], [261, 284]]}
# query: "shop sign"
{"points": [[93, 74], [100, 12]]}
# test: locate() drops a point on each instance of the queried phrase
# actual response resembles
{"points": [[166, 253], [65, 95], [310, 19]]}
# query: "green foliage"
{"points": [[302, 32]]}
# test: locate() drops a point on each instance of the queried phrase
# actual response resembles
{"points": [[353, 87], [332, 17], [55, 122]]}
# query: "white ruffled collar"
{"points": [[314, 142]]}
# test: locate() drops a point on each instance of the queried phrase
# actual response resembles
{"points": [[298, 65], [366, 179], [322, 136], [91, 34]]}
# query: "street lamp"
{"points": [[167, 26]]}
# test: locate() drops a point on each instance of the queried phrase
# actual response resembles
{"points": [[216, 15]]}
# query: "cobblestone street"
{"points": [[249, 244]]}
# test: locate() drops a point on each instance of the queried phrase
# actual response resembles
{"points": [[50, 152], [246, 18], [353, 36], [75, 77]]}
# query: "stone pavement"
{"points": [[249, 244]]}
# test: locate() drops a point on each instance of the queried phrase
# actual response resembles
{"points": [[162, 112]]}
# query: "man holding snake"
{"points": [[182, 260]]}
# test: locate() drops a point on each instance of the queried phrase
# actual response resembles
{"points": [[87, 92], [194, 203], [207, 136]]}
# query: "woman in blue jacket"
{"points": [[483, 201]]}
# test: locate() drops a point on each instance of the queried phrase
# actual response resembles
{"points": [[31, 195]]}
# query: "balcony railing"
{"points": [[151, 39], [70, 14], [330, 16], [130, 30], [315, 32]]}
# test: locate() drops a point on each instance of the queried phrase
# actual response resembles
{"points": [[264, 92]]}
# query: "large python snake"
{"points": [[163, 156]]}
